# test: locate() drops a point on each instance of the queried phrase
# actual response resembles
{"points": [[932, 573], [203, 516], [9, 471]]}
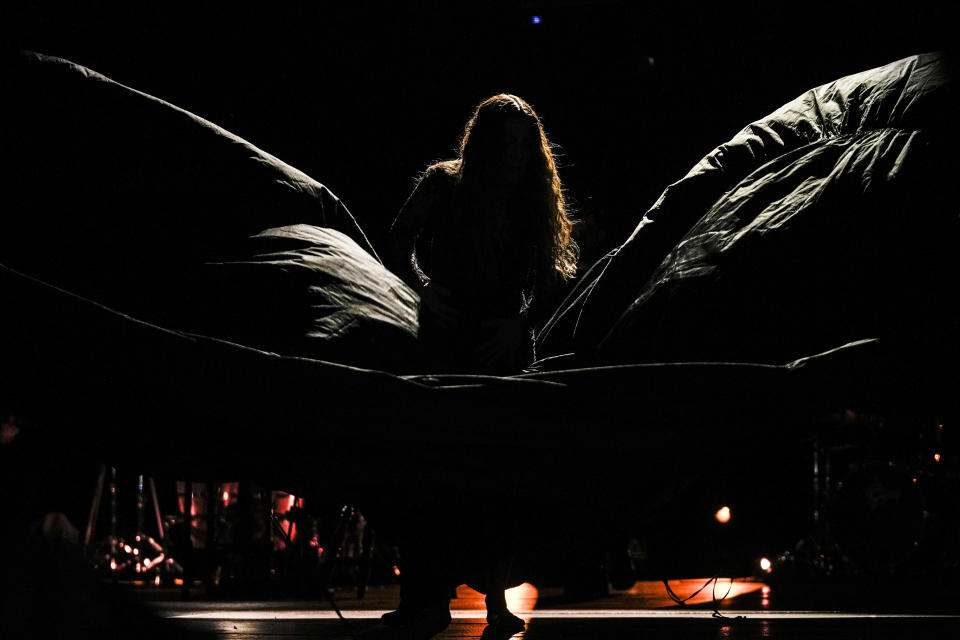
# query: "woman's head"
{"points": [[501, 139], [504, 152]]}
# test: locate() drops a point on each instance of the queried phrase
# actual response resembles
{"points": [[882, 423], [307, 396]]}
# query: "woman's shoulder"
{"points": [[440, 175]]}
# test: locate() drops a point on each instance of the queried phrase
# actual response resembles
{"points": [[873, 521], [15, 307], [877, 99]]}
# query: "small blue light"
{"points": [[535, 19]]}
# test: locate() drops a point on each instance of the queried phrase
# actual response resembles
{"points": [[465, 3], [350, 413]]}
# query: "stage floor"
{"points": [[751, 610]]}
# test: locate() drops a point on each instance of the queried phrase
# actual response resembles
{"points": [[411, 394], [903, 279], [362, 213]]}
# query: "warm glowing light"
{"points": [[156, 581], [521, 598], [723, 515], [113, 564], [178, 582], [136, 552], [765, 591], [655, 594], [292, 501], [914, 479], [146, 562], [765, 564], [127, 548], [396, 570], [936, 457], [226, 498], [721, 589]]}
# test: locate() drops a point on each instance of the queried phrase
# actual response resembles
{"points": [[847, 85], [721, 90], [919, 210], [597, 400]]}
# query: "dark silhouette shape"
{"points": [[479, 235]]}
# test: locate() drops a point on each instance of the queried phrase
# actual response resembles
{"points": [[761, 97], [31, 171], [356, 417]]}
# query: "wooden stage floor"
{"points": [[751, 610]]}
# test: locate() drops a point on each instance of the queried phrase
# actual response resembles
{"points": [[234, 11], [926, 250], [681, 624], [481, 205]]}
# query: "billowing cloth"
{"points": [[171, 296], [137, 204], [312, 292], [830, 220]]}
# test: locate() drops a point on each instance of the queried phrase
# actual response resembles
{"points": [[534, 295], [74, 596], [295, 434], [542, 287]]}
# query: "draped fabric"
{"points": [[830, 220], [174, 294], [134, 203]]}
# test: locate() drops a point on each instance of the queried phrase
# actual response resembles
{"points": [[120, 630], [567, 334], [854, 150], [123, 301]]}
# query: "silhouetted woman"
{"points": [[478, 237]]}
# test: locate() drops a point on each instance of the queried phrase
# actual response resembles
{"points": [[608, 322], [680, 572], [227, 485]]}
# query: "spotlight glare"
{"points": [[535, 19], [722, 515], [765, 564]]}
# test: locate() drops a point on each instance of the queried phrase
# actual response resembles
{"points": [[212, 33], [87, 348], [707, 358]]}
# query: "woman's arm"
{"points": [[401, 255]]}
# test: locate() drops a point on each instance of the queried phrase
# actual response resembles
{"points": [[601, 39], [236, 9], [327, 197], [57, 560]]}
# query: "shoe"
{"points": [[502, 626], [505, 621], [418, 624], [397, 619]]}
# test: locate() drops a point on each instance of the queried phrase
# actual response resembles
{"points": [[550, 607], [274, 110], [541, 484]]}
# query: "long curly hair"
{"points": [[539, 188]]}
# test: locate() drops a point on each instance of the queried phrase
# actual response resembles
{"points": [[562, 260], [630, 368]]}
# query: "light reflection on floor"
{"points": [[644, 610], [560, 614], [655, 595], [645, 600], [521, 600]]}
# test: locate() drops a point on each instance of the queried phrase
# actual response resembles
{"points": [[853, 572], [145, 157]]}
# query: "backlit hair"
{"points": [[539, 189]]}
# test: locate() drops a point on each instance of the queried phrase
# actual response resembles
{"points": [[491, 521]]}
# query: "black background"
{"points": [[363, 95]]}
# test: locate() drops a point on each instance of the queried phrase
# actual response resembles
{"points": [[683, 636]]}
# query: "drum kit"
{"points": [[225, 537], [886, 499], [885, 489]]}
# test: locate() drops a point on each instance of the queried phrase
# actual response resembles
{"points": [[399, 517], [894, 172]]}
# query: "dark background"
{"points": [[363, 95]]}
